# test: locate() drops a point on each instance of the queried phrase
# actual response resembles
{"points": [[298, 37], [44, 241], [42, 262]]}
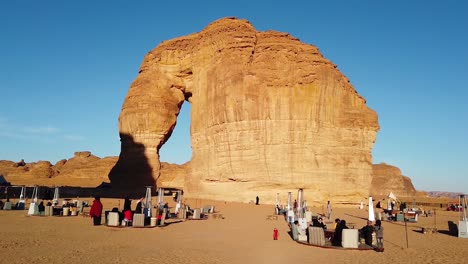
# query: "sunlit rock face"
{"points": [[83, 169], [269, 115], [387, 178]]}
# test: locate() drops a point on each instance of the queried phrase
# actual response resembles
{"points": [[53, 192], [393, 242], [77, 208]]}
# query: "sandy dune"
{"points": [[243, 236]]}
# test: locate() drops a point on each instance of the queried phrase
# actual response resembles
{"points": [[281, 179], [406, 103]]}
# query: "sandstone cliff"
{"points": [[269, 114], [387, 178]]}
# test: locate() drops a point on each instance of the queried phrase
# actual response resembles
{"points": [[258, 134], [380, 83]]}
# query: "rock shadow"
{"points": [[133, 171]]}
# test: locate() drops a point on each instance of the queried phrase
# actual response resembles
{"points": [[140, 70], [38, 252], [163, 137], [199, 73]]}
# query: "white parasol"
{"points": [[371, 210]]}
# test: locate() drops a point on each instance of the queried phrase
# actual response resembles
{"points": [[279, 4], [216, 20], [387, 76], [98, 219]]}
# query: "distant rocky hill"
{"points": [[444, 194], [387, 178], [84, 169]]}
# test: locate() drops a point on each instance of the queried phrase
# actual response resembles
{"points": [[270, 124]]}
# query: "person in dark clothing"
{"points": [[366, 233], [378, 228], [319, 223], [127, 204], [138, 206], [378, 205], [41, 207], [96, 210], [257, 200], [337, 223], [339, 233], [315, 222], [322, 224]]}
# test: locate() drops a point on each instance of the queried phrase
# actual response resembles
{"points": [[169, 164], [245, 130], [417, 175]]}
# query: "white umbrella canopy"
{"points": [[371, 210]]}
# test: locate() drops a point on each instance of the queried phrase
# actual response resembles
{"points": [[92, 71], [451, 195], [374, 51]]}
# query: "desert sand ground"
{"points": [[243, 236]]}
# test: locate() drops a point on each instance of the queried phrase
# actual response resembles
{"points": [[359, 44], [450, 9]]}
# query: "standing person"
{"points": [[339, 233], [96, 210], [329, 210], [295, 230], [366, 232], [295, 206], [127, 204], [337, 222], [257, 200], [138, 206], [378, 228]]}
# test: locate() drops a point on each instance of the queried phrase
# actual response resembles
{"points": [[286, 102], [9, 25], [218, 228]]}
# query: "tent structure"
{"points": [[371, 210], [391, 198]]}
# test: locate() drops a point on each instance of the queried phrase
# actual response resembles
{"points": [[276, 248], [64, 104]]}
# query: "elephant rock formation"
{"points": [[269, 114]]}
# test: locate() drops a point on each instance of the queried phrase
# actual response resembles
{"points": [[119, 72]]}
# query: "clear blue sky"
{"points": [[66, 67]]}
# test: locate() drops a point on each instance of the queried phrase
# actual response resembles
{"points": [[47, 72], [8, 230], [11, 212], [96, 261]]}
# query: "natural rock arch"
{"points": [[269, 114]]}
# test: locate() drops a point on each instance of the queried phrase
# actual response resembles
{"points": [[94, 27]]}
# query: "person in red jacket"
{"points": [[96, 210]]}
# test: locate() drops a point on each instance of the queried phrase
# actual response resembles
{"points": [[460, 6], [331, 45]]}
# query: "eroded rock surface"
{"points": [[84, 170], [269, 114], [387, 178]]}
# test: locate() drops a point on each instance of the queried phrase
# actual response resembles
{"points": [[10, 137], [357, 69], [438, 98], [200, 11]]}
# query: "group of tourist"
{"points": [[340, 225], [367, 231], [126, 214], [336, 239]]}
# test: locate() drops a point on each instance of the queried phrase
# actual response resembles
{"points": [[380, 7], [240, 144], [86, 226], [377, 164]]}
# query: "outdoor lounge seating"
{"points": [[350, 238], [316, 236]]}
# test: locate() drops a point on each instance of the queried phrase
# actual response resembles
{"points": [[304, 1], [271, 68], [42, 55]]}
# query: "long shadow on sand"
{"points": [[171, 223]]}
